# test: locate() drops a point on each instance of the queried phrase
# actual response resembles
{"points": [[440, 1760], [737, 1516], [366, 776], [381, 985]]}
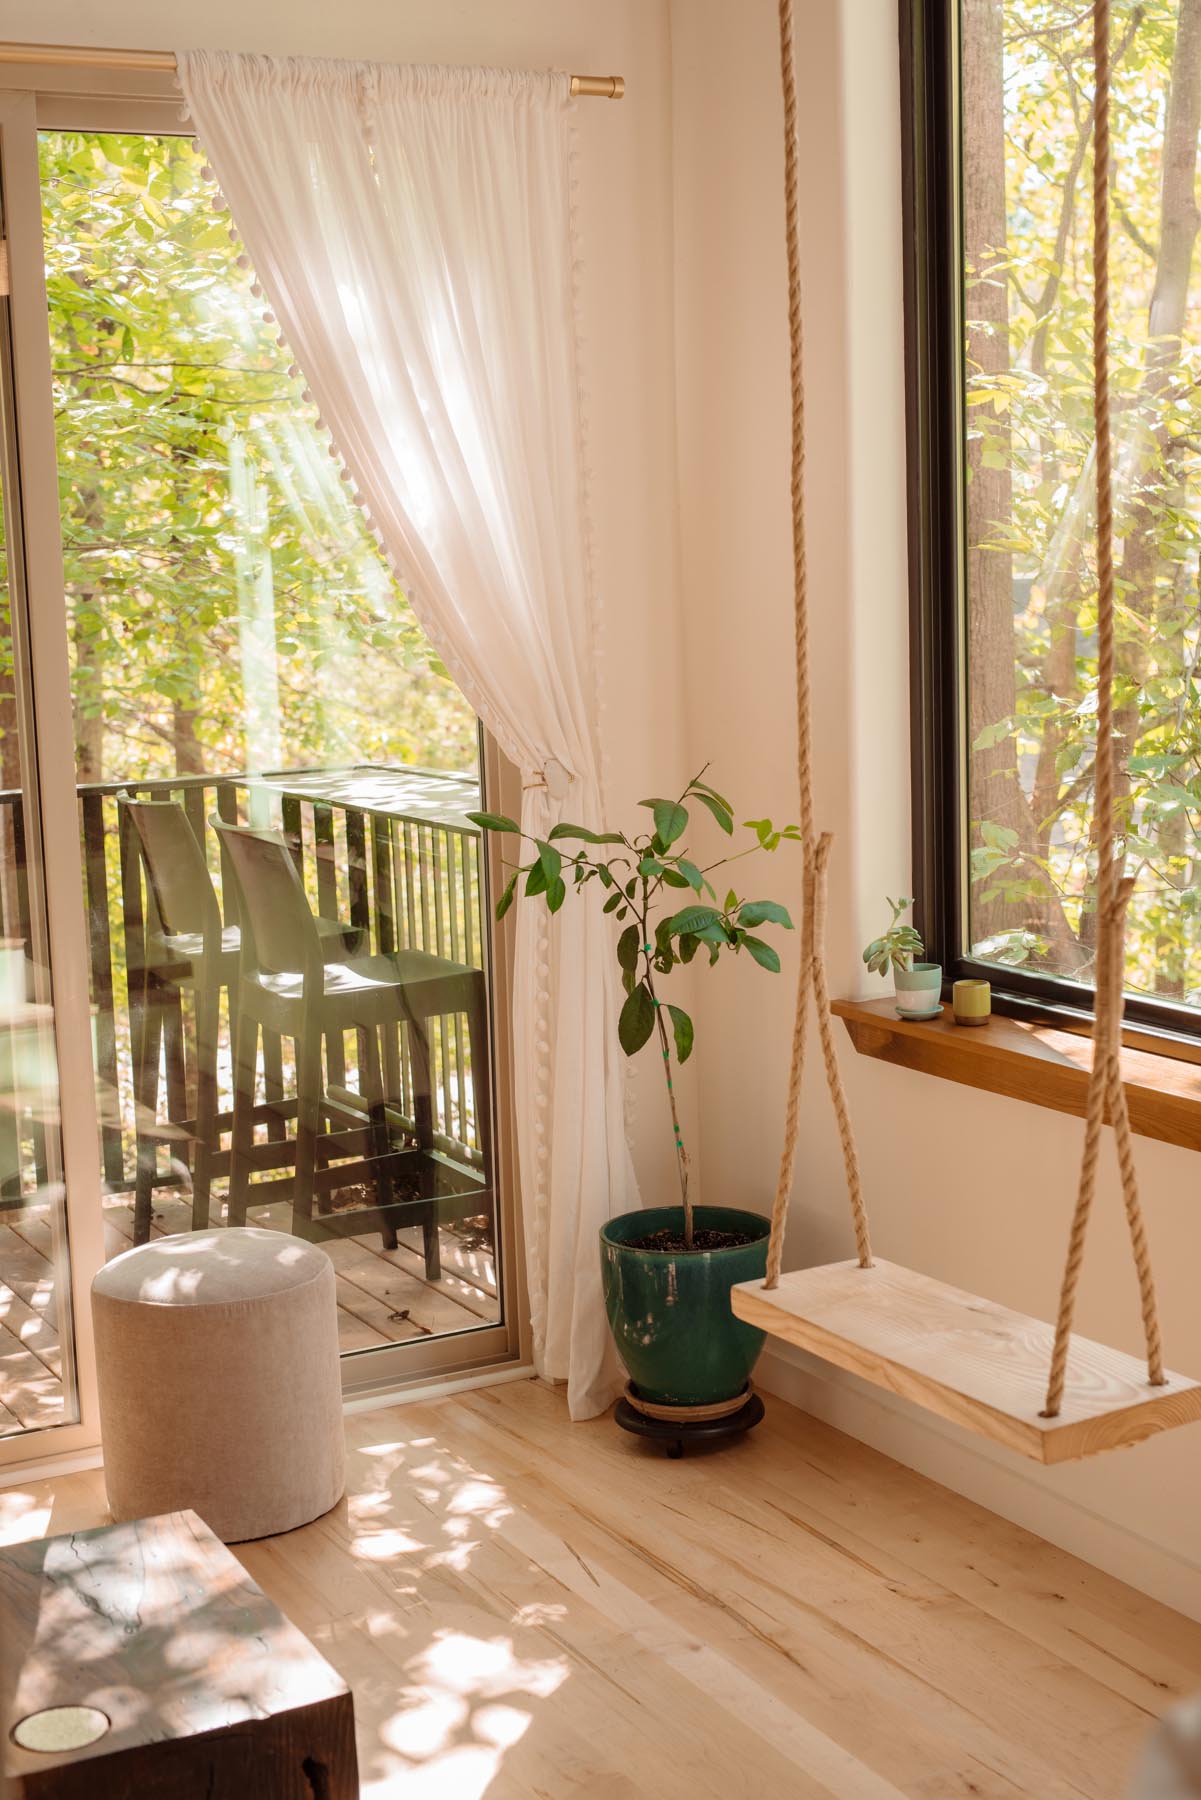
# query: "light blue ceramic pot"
{"points": [[919, 990]]}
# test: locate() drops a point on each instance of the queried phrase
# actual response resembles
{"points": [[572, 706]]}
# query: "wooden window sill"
{"points": [[1038, 1063]]}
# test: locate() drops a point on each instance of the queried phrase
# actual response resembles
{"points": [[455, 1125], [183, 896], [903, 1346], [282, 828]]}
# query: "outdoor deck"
{"points": [[390, 851], [384, 1296]]}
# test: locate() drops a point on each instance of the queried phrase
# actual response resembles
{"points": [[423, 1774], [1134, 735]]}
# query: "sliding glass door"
{"points": [[238, 655]]}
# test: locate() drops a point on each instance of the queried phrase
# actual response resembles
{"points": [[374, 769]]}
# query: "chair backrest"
{"points": [[177, 874], [272, 903]]}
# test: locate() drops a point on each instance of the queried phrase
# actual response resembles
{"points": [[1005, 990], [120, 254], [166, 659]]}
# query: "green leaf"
{"points": [[702, 787], [493, 822], [581, 831], [764, 955], [628, 946], [764, 912], [650, 866], [670, 819], [613, 902], [550, 859], [673, 878], [691, 873], [637, 1020], [506, 899], [723, 814], [688, 948], [682, 1026], [536, 880], [694, 919], [556, 893]]}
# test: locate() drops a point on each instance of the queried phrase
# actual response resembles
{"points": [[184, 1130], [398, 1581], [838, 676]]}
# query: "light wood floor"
{"points": [[530, 1608], [383, 1296]]}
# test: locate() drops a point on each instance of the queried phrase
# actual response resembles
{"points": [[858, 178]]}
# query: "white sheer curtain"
{"points": [[412, 230]]}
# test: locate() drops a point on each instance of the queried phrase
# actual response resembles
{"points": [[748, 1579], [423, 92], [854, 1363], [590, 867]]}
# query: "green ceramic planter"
{"points": [[670, 1314]]}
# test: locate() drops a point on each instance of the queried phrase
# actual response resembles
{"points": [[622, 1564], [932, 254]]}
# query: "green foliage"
{"points": [[226, 604], [634, 880], [1029, 420], [897, 947]]}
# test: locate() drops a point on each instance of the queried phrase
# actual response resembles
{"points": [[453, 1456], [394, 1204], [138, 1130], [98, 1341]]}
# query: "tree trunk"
{"points": [[994, 793], [189, 752]]}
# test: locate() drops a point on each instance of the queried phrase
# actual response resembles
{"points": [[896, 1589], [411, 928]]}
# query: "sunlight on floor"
{"points": [[468, 1696], [22, 1517]]}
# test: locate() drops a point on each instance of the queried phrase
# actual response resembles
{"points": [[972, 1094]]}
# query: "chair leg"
{"points": [[175, 1057], [146, 1113], [423, 1118], [246, 1045], [207, 1003], [273, 1084], [373, 1093], [308, 1121]]}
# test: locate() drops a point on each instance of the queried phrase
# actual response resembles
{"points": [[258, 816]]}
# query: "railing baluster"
{"points": [[356, 860], [385, 924], [423, 869], [100, 944], [290, 812], [410, 863], [145, 1080]]}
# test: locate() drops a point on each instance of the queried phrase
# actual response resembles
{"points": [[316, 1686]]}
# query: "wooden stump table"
{"points": [[152, 1635]]}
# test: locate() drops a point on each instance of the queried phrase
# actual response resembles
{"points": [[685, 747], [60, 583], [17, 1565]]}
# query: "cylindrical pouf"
{"points": [[220, 1388]]}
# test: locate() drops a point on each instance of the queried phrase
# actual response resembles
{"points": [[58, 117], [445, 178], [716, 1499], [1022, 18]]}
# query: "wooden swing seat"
{"points": [[969, 1360]]}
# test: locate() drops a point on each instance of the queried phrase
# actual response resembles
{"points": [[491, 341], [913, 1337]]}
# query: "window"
{"points": [[999, 302], [193, 588]]}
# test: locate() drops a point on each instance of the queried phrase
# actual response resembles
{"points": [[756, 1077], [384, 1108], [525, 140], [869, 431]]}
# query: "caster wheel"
{"points": [[674, 1435]]}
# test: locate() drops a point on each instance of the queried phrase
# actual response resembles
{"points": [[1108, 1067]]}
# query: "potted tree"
{"points": [[918, 985], [667, 1271]]}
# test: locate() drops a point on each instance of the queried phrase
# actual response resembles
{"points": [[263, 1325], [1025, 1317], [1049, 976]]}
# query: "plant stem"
{"points": [[681, 1153]]}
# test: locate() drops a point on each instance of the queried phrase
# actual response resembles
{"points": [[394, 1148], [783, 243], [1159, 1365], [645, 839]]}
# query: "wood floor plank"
{"points": [[1124, 1641], [533, 1610], [28, 1389], [810, 1616], [32, 1328], [27, 1269]]}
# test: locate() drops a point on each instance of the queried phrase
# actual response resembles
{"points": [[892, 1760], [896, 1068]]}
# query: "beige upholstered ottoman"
{"points": [[217, 1361]]}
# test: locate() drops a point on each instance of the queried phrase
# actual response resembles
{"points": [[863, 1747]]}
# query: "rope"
{"points": [[812, 975], [1106, 1091]]}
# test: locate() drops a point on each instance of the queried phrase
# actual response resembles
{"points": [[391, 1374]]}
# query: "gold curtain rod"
{"points": [[84, 56]]}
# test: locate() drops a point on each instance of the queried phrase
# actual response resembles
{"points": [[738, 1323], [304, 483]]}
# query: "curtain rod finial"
{"points": [[598, 87]]}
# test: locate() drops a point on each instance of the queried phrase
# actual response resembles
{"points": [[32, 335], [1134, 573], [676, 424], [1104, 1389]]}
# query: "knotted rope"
{"points": [[1105, 1088], [812, 976]]}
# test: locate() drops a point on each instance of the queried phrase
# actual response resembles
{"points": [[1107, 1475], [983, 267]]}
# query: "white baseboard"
{"points": [[18, 1474], [436, 1390], [69, 1463], [980, 1472]]}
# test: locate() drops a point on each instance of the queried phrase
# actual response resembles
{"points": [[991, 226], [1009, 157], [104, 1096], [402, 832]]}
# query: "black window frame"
{"points": [[930, 49]]}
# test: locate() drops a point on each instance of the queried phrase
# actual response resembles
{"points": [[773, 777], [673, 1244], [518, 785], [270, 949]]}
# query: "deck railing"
{"points": [[389, 850]]}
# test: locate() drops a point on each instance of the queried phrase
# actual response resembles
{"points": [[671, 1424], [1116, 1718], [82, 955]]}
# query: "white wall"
{"points": [[974, 1188]]}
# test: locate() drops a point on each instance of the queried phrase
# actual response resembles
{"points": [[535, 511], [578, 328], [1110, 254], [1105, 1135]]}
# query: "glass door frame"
{"points": [[33, 98]]}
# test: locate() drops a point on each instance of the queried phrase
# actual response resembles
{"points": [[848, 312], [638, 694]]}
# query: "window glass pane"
{"points": [[239, 648], [1031, 548], [37, 1387]]}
